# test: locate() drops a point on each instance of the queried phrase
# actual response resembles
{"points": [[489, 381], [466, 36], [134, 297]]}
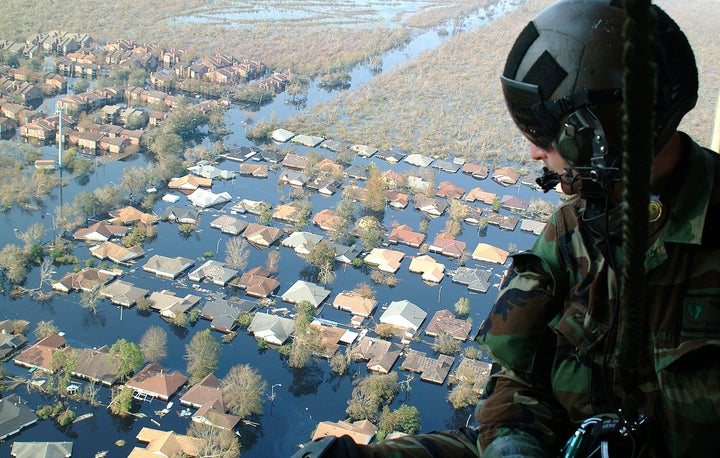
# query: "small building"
{"points": [[123, 293], [405, 235], [204, 198], [361, 431], [271, 328], [156, 381], [303, 290], [384, 260], [14, 416], [488, 253], [166, 267], [380, 354], [301, 241], [100, 232], [214, 271], [444, 321], [39, 355], [433, 370], [223, 314], [429, 268], [229, 224], [281, 135], [404, 315], [165, 443], [85, 279], [355, 304]]}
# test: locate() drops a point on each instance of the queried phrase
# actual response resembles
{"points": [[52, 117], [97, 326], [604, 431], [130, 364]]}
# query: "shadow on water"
{"points": [[179, 331], [460, 417], [93, 320], [123, 424], [249, 435], [305, 380], [309, 273], [83, 179]]}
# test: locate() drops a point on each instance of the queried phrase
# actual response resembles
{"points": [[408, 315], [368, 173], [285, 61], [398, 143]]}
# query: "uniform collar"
{"points": [[690, 196]]}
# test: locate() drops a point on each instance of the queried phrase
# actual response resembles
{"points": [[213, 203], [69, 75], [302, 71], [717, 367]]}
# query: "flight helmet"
{"points": [[563, 80]]}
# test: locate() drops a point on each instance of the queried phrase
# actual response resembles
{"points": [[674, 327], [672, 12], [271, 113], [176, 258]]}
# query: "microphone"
{"points": [[548, 180]]}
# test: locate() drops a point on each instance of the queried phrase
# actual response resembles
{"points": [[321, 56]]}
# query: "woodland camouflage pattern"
{"points": [[551, 323]]}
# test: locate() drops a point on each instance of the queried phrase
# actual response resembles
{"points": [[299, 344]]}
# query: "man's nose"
{"points": [[537, 153]]}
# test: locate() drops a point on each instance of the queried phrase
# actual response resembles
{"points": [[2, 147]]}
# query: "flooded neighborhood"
{"points": [[190, 266]]}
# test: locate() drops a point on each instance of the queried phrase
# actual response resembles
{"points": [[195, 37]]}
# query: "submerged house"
{"points": [[156, 381], [272, 329], [166, 267]]}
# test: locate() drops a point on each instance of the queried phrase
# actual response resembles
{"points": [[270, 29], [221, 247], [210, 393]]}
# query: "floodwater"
{"points": [[303, 397]]}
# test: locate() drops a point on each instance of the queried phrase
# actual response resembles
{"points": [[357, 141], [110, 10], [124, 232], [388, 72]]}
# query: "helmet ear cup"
{"points": [[581, 140]]}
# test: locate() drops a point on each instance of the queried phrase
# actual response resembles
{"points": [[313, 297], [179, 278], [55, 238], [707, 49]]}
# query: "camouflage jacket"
{"points": [[551, 332]]}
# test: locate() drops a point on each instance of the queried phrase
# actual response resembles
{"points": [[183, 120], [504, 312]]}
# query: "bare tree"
{"points": [[273, 259], [307, 342], [44, 329], [153, 344], [202, 354], [33, 234], [237, 253], [89, 299], [214, 442], [243, 389]]}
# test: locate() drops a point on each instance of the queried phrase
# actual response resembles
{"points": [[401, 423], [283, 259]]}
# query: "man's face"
{"points": [[554, 161]]}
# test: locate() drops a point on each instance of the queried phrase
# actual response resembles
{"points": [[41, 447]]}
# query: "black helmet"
{"points": [[565, 73]]}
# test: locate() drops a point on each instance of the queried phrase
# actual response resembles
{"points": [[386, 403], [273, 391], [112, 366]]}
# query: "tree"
{"points": [[202, 354], [80, 85], [371, 232], [243, 389], [87, 204], [89, 299], [446, 344], [462, 395], [62, 364], [369, 393], [462, 307], [32, 235], [121, 401], [13, 263], [128, 355], [496, 203], [406, 419], [137, 77], [215, 442], [375, 190], [307, 342], [339, 362], [153, 344], [305, 314], [272, 261], [237, 253], [44, 329]]}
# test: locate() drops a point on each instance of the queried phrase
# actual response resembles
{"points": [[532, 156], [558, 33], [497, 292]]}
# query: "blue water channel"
{"points": [[303, 397]]}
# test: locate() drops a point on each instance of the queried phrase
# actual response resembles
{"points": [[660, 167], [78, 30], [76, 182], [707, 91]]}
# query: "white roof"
{"points": [[282, 135]]}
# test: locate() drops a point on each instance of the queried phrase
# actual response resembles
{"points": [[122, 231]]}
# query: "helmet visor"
{"points": [[529, 113]]}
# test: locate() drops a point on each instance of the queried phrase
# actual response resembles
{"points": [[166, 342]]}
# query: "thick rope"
{"points": [[638, 129]]}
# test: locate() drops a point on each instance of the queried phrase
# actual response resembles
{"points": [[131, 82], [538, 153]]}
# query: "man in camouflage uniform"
{"points": [[554, 327], [553, 331]]}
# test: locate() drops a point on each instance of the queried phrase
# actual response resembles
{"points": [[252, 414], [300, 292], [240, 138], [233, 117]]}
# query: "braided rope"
{"points": [[638, 129]]}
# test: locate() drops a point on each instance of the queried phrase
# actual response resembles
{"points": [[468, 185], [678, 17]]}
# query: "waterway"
{"points": [[302, 397]]}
